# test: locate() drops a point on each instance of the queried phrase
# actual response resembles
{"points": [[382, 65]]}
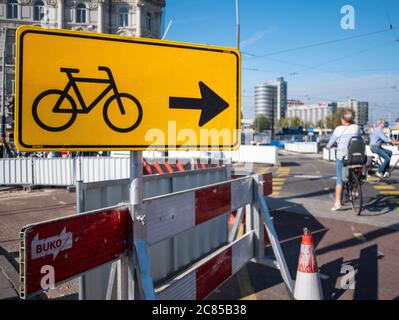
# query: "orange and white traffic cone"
{"points": [[307, 285]]}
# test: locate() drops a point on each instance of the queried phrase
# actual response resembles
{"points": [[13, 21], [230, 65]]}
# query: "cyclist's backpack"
{"points": [[356, 152]]}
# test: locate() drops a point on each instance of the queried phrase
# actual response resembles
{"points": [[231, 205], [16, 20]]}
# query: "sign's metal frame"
{"points": [[24, 30]]}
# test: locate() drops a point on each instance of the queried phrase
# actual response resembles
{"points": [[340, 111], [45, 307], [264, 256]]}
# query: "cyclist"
{"points": [[377, 139], [342, 135]]}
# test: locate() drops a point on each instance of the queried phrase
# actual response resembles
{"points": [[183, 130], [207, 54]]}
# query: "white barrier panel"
{"points": [[16, 171], [302, 147], [103, 169], [253, 154], [326, 154], [54, 171], [66, 171], [394, 159], [395, 153], [329, 154]]}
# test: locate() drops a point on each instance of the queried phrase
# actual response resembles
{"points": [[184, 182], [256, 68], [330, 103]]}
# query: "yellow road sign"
{"points": [[87, 91]]}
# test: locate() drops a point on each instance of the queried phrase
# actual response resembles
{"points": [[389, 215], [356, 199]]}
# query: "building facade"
{"points": [[271, 100], [123, 17], [311, 114], [361, 109]]}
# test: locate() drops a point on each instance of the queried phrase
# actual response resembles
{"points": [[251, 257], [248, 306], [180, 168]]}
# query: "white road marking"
{"points": [[323, 276]]}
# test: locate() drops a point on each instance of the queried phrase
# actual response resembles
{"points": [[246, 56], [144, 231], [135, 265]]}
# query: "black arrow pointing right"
{"points": [[210, 103]]}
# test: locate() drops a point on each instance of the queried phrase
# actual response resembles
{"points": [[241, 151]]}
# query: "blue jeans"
{"points": [[338, 171], [385, 154]]}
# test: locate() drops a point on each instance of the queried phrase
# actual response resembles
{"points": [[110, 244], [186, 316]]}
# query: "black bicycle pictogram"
{"points": [[72, 109]]}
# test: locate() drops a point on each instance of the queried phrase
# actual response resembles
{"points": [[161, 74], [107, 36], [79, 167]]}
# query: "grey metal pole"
{"points": [[136, 199], [3, 94], [237, 25], [79, 209], [136, 186], [136, 177]]}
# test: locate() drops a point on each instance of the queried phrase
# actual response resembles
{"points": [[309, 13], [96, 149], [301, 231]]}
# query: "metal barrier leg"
{"points": [[248, 218], [236, 226], [122, 278], [259, 234], [143, 270], [111, 282], [278, 252]]}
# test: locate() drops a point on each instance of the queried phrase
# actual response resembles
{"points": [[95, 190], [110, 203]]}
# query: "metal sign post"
{"points": [[136, 199]]}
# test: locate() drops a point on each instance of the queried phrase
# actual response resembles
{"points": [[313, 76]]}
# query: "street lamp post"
{"points": [[3, 95], [237, 25]]}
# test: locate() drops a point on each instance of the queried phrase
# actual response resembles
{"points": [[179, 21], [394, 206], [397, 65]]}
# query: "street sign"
{"points": [[64, 248], [106, 92]]}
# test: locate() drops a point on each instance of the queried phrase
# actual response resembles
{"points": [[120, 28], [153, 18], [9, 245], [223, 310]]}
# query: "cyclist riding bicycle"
{"points": [[377, 139], [342, 135]]}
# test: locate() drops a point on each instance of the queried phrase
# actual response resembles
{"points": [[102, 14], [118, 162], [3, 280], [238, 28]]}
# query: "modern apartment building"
{"points": [[361, 109], [311, 114], [271, 100]]}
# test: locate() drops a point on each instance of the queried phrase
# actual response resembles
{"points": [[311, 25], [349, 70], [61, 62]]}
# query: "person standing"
{"points": [[342, 135], [377, 139]]}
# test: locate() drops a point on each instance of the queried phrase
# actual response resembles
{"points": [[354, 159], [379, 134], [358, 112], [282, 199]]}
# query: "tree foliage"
{"points": [[334, 120], [262, 123], [296, 122], [284, 123]]}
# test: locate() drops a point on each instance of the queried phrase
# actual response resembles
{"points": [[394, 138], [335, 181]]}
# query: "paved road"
{"points": [[303, 196], [309, 187]]}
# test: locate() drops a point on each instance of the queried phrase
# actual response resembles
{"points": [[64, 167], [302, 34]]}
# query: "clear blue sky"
{"points": [[365, 68]]}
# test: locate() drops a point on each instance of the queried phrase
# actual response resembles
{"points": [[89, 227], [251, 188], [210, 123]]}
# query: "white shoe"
{"points": [[379, 175], [336, 207], [386, 175]]}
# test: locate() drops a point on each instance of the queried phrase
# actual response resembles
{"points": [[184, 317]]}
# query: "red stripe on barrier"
{"points": [[212, 202], [213, 273], [267, 184], [158, 167], [203, 166], [180, 167], [147, 167], [169, 167], [196, 166]]}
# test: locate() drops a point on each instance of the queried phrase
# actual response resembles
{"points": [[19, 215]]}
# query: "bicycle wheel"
{"points": [[131, 107], [43, 108], [345, 193], [356, 194]]}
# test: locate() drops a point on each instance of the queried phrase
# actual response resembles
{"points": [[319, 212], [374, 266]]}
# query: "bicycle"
{"points": [[376, 161], [72, 108], [353, 188]]}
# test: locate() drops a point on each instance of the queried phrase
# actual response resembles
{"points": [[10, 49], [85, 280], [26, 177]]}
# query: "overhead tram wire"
{"points": [[342, 57], [323, 43], [389, 20]]}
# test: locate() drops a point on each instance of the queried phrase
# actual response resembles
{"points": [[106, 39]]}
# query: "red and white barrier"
{"points": [[188, 209], [198, 282], [158, 219]]}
